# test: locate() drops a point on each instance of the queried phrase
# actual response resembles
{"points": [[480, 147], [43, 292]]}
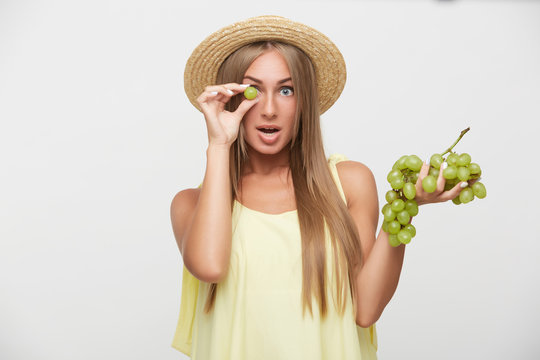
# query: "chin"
{"points": [[265, 149]]}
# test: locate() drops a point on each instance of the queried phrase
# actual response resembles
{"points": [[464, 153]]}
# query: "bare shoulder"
{"points": [[182, 208], [359, 186], [185, 198], [357, 181]]}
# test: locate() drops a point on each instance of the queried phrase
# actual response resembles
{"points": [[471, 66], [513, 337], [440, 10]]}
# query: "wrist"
{"points": [[218, 148]]}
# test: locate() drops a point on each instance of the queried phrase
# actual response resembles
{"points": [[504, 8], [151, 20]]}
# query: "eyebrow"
{"points": [[259, 81]]}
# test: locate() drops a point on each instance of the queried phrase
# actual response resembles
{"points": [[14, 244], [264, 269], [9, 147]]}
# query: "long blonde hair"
{"points": [[319, 203]]}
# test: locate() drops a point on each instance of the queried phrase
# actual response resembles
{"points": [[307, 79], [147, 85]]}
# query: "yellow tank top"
{"points": [[258, 309]]}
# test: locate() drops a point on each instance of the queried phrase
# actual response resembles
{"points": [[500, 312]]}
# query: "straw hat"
{"points": [[203, 64]]}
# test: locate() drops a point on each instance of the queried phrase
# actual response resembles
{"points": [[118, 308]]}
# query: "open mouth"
{"points": [[268, 133], [268, 130]]}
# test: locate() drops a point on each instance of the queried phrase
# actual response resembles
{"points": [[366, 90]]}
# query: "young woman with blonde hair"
{"points": [[279, 244]]}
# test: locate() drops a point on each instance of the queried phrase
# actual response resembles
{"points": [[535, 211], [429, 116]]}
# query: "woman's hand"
{"points": [[439, 195], [223, 125]]}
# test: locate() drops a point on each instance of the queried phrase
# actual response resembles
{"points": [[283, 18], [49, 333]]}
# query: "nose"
{"points": [[269, 106]]}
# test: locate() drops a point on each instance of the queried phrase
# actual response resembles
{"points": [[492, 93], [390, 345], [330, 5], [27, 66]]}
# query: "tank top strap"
{"points": [[332, 161]]}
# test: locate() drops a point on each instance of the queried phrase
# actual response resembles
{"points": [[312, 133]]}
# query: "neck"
{"points": [[267, 164]]}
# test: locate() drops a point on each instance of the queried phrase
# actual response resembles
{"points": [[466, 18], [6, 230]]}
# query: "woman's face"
{"points": [[276, 108]]}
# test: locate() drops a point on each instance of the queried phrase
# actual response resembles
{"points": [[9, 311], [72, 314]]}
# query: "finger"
{"points": [[440, 179], [421, 175], [424, 171], [228, 90], [222, 93], [209, 95], [215, 93], [237, 87], [453, 192], [223, 90], [245, 106]]}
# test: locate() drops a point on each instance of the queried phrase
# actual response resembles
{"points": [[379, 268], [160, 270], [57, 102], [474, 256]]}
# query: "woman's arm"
{"points": [[205, 239], [378, 278], [202, 225]]}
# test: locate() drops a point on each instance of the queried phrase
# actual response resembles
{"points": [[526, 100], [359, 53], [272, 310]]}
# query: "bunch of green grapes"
{"points": [[401, 206], [459, 168]]}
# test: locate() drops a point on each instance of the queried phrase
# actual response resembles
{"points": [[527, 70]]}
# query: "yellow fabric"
{"points": [[258, 308]]}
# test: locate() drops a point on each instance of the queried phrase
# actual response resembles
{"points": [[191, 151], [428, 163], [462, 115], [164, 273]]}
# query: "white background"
{"points": [[97, 136]]}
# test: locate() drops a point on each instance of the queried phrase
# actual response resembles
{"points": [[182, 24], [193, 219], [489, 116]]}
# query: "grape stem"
{"points": [[463, 132]]}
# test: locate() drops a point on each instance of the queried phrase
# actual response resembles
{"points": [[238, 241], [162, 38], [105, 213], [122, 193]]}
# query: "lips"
{"points": [[268, 129]]}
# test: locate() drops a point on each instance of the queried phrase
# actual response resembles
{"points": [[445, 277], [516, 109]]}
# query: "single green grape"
{"points": [[385, 226], [394, 227], [456, 200], [389, 214], [250, 93], [412, 207], [397, 183], [436, 160], [479, 190], [434, 172], [393, 175], [463, 173], [464, 159], [452, 159], [403, 217], [398, 205], [474, 168], [409, 190], [466, 195], [400, 163], [429, 183], [391, 195], [415, 177], [450, 172], [404, 236], [410, 228], [414, 163], [393, 240]]}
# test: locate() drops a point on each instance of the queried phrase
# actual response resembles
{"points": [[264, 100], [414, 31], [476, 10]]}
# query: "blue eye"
{"points": [[289, 90]]}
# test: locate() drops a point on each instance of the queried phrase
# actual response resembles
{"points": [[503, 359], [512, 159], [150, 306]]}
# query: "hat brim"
{"points": [[203, 64]]}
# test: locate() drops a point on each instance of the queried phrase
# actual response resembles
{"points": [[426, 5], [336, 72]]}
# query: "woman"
{"points": [[281, 257]]}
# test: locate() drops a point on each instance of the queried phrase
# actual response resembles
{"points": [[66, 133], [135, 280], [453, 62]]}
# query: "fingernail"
{"points": [[464, 185], [444, 165], [213, 92], [244, 85], [230, 91], [426, 162]]}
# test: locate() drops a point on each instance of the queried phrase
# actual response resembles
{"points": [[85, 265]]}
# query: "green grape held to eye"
{"points": [[250, 93]]}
